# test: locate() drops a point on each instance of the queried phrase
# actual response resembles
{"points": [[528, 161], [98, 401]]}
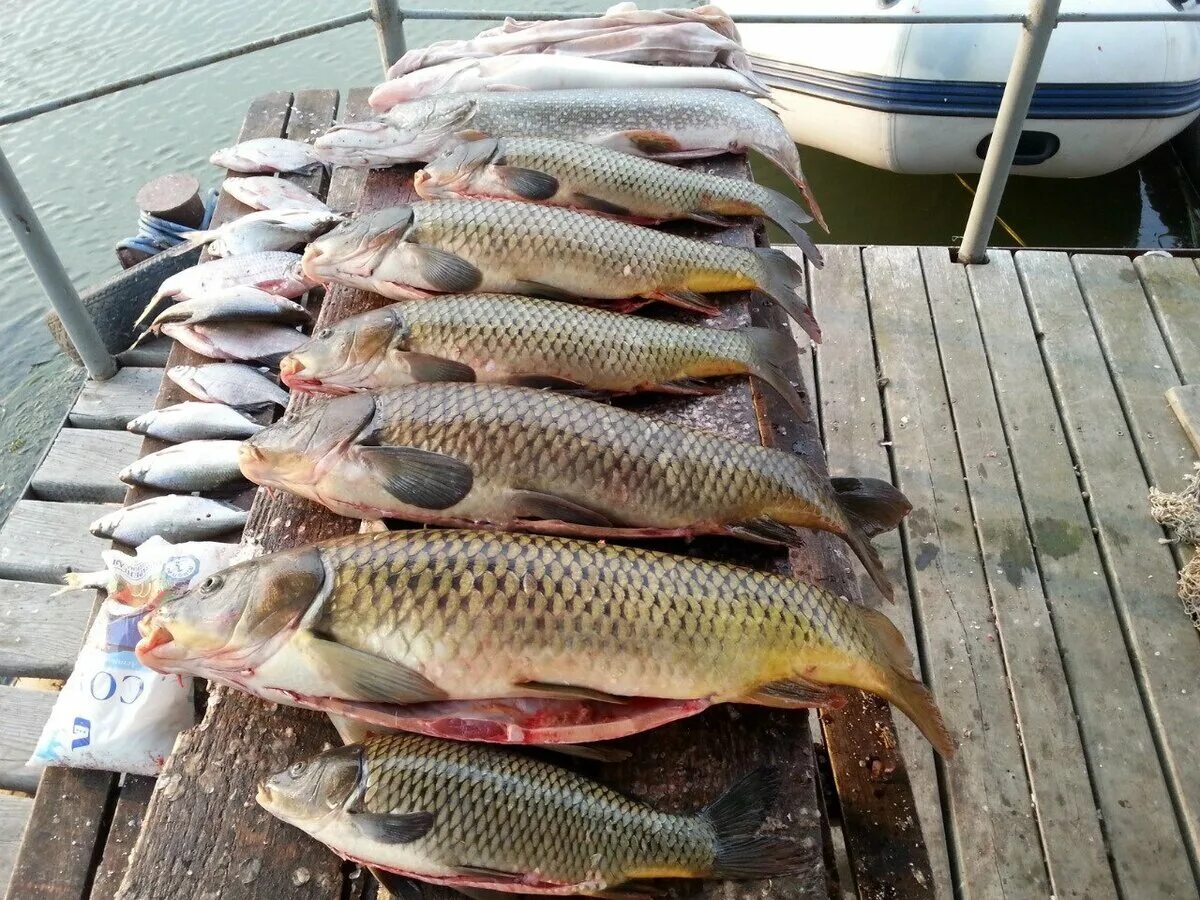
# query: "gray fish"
{"points": [[267, 155], [191, 466], [174, 517], [233, 384], [264, 230], [193, 421], [237, 341], [269, 192]]}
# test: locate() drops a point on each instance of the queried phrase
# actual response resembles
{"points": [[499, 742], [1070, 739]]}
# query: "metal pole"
{"points": [[389, 25], [1018, 91], [54, 279]]}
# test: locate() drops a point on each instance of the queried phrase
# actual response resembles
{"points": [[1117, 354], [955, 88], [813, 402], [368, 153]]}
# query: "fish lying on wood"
{"points": [[604, 181], [239, 304], [464, 246], [174, 517], [273, 271], [193, 421], [361, 625], [265, 230], [551, 72], [480, 818], [258, 342], [461, 454], [509, 339], [267, 192], [206, 465], [232, 384], [268, 155], [668, 124]]}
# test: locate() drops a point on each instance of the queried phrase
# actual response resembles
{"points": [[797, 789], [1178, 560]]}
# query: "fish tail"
{"points": [[787, 158], [734, 817], [150, 308], [904, 689], [872, 506], [201, 237], [790, 215], [769, 353], [782, 280]]}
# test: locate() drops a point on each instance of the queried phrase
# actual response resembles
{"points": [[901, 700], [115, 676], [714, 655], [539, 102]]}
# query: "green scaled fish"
{"points": [[475, 818], [508, 339]]}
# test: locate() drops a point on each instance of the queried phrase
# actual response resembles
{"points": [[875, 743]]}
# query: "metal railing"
{"points": [[1038, 25]]}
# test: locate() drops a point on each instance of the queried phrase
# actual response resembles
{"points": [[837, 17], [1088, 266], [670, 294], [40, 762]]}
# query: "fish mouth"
{"points": [[154, 638]]}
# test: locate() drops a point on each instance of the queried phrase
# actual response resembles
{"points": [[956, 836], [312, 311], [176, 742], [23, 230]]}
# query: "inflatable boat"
{"points": [[923, 98]]}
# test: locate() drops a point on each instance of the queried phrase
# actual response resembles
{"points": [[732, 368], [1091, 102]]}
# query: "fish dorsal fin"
{"points": [[539, 505], [566, 692], [527, 183], [425, 368], [393, 828], [419, 477], [796, 693], [366, 677], [446, 272]]}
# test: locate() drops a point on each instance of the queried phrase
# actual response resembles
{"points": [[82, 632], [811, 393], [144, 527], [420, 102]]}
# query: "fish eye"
{"points": [[324, 333], [296, 769], [211, 583]]}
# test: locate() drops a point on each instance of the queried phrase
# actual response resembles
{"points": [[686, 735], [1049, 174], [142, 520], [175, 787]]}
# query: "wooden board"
{"points": [[23, 712], [42, 541], [1173, 286], [1130, 790], [82, 466], [14, 812], [40, 633], [111, 404], [1184, 401]]}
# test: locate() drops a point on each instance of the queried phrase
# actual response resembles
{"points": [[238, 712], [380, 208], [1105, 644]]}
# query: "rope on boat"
{"points": [[155, 235]]}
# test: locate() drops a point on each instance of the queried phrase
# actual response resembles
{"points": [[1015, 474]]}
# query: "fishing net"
{"points": [[1181, 513]]}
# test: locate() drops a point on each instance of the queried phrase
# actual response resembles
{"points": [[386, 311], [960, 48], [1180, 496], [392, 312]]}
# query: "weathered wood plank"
{"points": [[23, 712], [40, 633], [1184, 401], [42, 541], [14, 813], [127, 816], [1140, 570], [995, 844], [83, 464], [111, 404], [1173, 286], [853, 426]]}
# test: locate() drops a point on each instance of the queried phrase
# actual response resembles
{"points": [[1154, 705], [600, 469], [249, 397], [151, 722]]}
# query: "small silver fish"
{"points": [[240, 304], [265, 230], [267, 155], [173, 517], [192, 421], [187, 467], [237, 341], [273, 271], [230, 383], [268, 192]]}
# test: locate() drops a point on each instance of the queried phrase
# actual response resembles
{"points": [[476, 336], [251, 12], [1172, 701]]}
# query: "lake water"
{"points": [[82, 166]]}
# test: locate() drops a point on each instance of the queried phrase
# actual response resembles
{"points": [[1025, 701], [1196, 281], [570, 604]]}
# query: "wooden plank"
{"points": [[127, 816], [23, 712], [1184, 401], [1173, 286], [43, 541], [83, 464], [1141, 571], [852, 422], [14, 813], [1136, 814], [993, 834], [111, 404], [40, 633]]}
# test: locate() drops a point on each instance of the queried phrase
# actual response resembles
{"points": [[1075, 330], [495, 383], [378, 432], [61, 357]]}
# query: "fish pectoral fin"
{"points": [[553, 382], [370, 678], [596, 204], [538, 505], [393, 828], [796, 693], [539, 289], [528, 183], [589, 752], [706, 218], [686, 299], [424, 368], [443, 271], [651, 142], [419, 477], [687, 387], [567, 692]]}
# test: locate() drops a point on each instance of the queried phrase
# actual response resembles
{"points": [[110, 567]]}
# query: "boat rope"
{"points": [[1016, 237], [155, 235]]}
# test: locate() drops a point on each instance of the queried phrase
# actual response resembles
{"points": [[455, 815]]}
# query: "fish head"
{"points": [[456, 168], [341, 358], [234, 619], [376, 145], [310, 792], [355, 248], [295, 452], [425, 126]]}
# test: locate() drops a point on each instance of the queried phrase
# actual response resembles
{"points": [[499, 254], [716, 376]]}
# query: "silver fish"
{"points": [[230, 383], [268, 192], [274, 271], [173, 517], [191, 466], [241, 304], [267, 155], [192, 421], [265, 230], [237, 341]]}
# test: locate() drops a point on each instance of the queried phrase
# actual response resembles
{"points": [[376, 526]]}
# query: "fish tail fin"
{"points": [[768, 355], [781, 279], [734, 817], [787, 158], [790, 216], [150, 308], [201, 237], [871, 506], [904, 689]]}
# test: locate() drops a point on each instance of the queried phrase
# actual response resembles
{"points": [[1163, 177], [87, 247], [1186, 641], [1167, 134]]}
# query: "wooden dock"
{"points": [[1021, 407]]}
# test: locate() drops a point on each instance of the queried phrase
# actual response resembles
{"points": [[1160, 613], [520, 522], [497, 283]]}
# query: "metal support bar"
{"points": [[1018, 91], [48, 268], [389, 28]]}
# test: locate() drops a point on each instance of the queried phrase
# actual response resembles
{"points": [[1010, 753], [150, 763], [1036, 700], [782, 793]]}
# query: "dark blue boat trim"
{"points": [[915, 96]]}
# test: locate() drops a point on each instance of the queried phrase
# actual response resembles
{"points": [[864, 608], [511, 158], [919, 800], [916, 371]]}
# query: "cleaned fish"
{"points": [[510, 339], [363, 625], [173, 517], [232, 384], [461, 454], [268, 192], [192, 466], [267, 155], [274, 271], [551, 72], [668, 124], [194, 421], [270, 229], [237, 341], [608, 182], [464, 246], [479, 818]]}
